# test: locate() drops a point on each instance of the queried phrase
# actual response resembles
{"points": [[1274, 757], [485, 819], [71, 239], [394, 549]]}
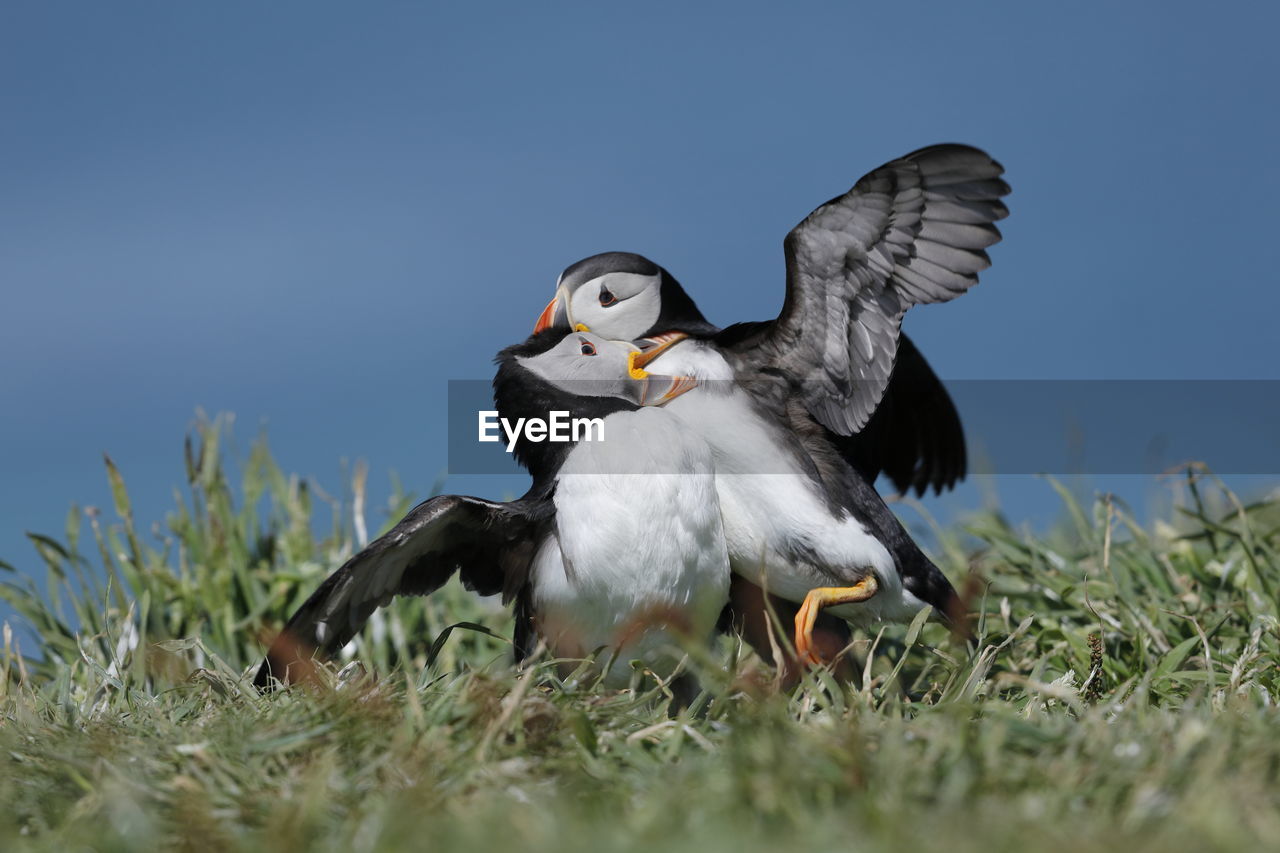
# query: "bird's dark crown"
{"points": [[679, 313], [607, 262]]}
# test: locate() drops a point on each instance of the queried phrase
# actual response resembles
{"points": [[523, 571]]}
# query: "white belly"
{"points": [[779, 530], [638, 563]]}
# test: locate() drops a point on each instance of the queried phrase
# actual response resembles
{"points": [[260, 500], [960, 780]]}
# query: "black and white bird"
{"points": [[597, 554], [794, 396]]}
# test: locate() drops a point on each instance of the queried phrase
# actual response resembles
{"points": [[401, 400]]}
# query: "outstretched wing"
{"points": [[489, 543], [910, 232]]}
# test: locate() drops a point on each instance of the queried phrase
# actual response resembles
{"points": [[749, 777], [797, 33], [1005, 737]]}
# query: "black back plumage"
{"points": [[679, 313]]}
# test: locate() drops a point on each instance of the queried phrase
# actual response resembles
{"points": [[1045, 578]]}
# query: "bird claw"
{"points": [[826, 596]]}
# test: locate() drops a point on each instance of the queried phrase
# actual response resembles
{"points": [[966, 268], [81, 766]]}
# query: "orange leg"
{"points": [[751, 618], [826, 596]]}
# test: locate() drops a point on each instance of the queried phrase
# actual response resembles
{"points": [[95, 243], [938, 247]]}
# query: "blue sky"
{"points": [[313, 215]]}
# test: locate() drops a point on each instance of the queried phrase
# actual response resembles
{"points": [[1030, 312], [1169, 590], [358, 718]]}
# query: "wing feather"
{"points": [[914, 437], [965, 212]]}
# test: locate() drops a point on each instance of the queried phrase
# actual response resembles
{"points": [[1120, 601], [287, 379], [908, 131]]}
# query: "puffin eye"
{"points": [[606, 296], [588, 348]]}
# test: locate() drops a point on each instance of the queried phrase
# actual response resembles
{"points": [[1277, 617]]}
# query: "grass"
{"points": [[1122, 697]]}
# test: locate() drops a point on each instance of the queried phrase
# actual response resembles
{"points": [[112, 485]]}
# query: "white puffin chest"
{"points": [[641, 543]]}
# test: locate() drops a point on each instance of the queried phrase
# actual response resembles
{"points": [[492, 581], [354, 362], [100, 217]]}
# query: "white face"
{"points": [[618, 305], [586, 365]]}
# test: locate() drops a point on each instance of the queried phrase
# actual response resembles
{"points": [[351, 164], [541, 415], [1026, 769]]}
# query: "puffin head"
{"points": [[621, 296], [582, 374]]}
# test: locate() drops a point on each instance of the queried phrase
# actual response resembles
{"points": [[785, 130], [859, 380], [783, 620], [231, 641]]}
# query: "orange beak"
{"points": [[545, 318], [663, 389], [650, 348], [555, 314], [656, 390]]}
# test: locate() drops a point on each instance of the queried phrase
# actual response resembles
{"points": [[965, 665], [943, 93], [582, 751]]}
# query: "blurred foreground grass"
{"points": [[1122, 696]]}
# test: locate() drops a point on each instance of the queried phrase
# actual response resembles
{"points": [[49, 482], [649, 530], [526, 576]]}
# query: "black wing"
{"points": [[491, 544], [910, 232], [914, 437]]}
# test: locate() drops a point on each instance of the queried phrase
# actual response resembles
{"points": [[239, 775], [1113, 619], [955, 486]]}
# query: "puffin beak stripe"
{"points": [[547, 315], [555, 314], [668, 388], [651, 348]]}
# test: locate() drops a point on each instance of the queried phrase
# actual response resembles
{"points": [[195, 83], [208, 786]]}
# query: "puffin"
{"points": [[597, 554], [829, 394]]}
